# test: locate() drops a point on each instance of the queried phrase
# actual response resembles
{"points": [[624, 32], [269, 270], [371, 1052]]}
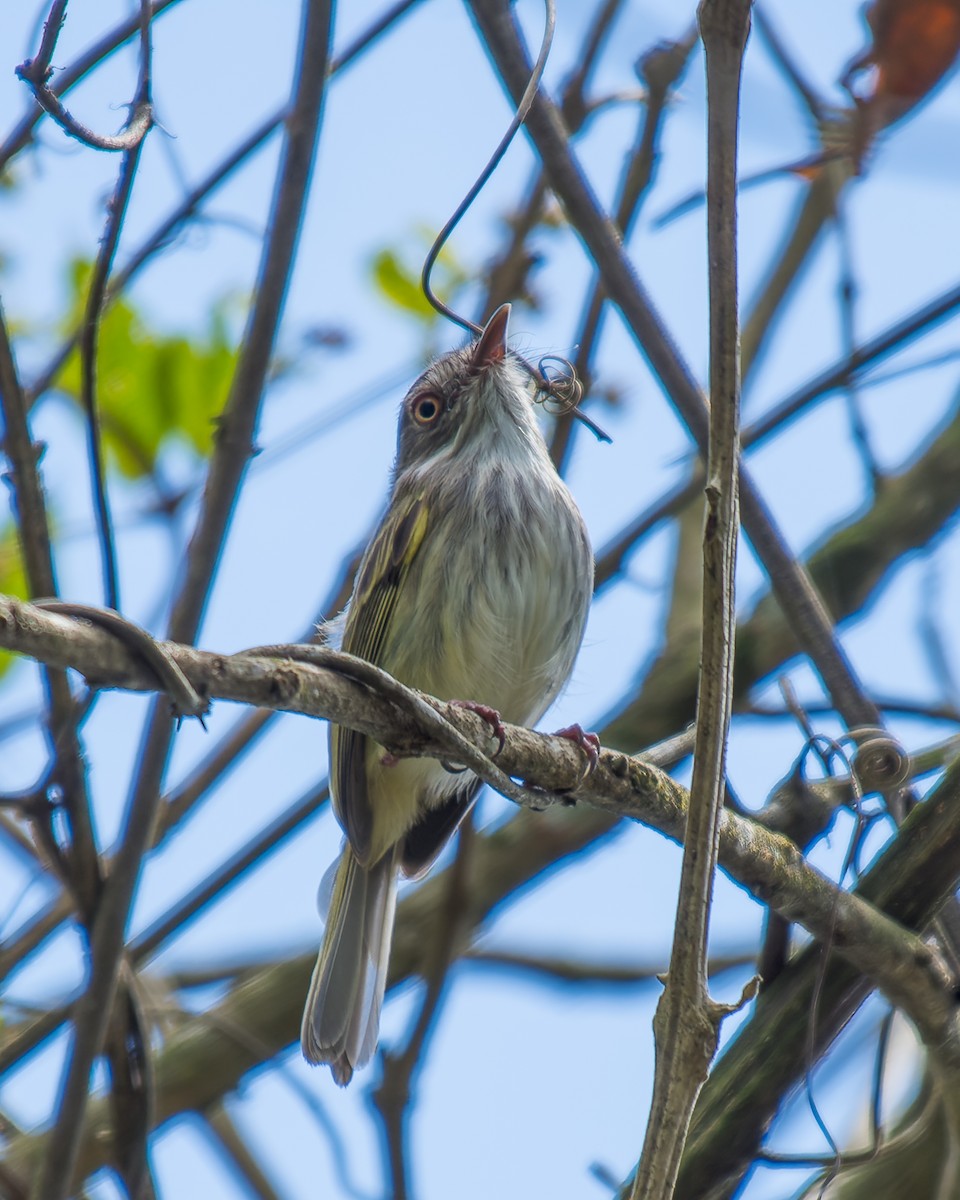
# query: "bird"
{"points": [[474, 588]]}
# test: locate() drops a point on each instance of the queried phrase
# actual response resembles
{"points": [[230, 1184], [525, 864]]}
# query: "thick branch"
{"points": [[409, 723]]}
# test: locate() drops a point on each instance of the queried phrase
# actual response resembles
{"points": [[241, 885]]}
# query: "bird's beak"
{"points": [[492, 346]]}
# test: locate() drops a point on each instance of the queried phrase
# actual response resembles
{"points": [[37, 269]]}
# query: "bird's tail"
{"points": [[341, 1019]]}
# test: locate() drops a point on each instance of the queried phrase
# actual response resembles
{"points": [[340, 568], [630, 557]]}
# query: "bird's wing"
{"points": [[379, 582]]}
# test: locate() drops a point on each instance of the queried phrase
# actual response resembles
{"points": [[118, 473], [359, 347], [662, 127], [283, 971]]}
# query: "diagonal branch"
{"points": [[234, 446], [190, 204], [81, 867], [795, 593]]}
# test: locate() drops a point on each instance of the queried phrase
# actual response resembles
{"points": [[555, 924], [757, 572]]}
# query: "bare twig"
{"points": [[847, 301], [393, 1096], [236, 1148], [90, 328], [781, 55], [610, 558], [191, 203], [894, 337], [36, 72], [268, 839], [233, 449], [586, 973], [22, 134], [660, 69], [81, 868], [687, 1021]]}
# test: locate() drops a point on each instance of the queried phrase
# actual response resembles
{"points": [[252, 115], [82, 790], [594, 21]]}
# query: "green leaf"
{"points": [[151, 387], [400, 286], [13, 579], [397, 277]]}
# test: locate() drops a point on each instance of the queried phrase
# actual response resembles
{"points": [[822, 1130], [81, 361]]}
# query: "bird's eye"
{"points": [[426, 408]]}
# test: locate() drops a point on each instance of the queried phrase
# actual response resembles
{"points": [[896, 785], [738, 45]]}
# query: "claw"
{"points": [[589, 743], [492, 718]]}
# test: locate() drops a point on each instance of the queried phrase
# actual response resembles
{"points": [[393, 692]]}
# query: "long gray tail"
{"points": [[341, 1019]]}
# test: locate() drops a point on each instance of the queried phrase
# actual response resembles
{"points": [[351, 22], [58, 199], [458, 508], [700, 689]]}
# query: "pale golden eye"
{"points": [[426, 408]]}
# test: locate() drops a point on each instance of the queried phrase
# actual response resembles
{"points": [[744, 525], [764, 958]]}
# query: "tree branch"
{"points": [[234, 445], [90, 328], [353, 693], [794, 590], [687, 1022], [79, 865], [36, 72]]}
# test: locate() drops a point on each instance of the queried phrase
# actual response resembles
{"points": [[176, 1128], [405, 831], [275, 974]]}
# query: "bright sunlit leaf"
{"points": [[151, 386], [13, 580]]}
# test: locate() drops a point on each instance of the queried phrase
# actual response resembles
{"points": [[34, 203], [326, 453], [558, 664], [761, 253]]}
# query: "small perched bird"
{"points": [[476, 585]]}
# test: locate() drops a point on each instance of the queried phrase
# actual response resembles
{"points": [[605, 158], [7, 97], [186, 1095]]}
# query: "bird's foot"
{"points": [[589, 743], [488, 714]]}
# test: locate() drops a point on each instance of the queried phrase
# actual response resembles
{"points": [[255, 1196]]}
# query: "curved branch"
{"points": [[36, 72]]}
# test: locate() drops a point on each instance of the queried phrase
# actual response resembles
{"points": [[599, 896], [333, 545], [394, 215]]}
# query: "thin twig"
{"points": [[588, 974], [190, 204], [687, 1021], [660, 69], [264, 842], [523, 107], [36, 72], [234, 445], [610, 558], [393, 1095], [90, 329], [22, 134], [780, 53], [236, 1148], [81, 868], [847, 300]]}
